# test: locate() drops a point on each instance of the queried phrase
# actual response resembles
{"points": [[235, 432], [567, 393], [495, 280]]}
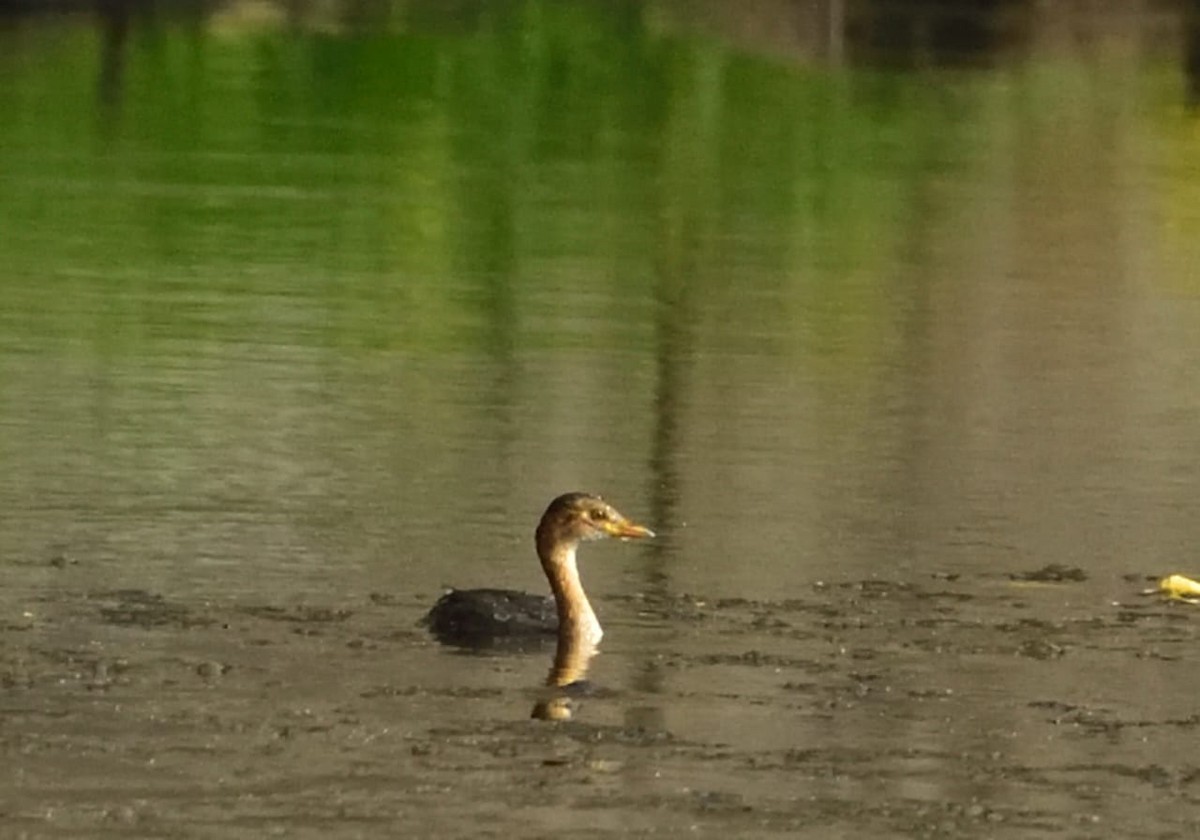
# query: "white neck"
{"points": [[577, 622]]}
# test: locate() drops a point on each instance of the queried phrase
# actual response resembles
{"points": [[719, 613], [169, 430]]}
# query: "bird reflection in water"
{"points": [[488, 617], [567, 680]]}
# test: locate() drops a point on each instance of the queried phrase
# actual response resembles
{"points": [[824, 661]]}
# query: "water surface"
{"points": [[306, 319]]}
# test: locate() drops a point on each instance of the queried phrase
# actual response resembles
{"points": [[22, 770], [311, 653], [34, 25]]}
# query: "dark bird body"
{"points": [[463, 614]]}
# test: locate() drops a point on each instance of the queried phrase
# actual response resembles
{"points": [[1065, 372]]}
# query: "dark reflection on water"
{"points": [[308, 309]]}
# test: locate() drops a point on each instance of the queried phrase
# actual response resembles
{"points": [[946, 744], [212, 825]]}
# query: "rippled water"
{"points": [[893, 343]]}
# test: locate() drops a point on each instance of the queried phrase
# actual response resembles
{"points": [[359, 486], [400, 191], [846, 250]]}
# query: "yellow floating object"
{"points": [[1178, 586]]}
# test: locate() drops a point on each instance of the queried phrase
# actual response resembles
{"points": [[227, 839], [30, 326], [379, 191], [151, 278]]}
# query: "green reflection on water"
{"points": [[534, 178]]}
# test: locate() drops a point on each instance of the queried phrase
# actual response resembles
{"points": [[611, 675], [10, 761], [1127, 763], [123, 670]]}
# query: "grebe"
{"points": [[474, 617]]}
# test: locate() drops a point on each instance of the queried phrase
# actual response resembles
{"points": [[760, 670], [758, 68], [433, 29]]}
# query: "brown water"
{"points": [[892, 340]]}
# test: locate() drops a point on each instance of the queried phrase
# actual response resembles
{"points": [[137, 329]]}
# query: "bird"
{"points": [[483, 617]]}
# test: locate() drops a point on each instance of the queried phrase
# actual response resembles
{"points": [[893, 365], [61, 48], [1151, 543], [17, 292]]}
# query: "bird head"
{"points": [[580, 517]]}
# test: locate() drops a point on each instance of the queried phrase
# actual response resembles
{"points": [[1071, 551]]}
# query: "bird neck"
{"points": [[577, 622]]}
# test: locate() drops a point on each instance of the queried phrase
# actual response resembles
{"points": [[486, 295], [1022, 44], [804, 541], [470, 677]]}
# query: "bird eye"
{"points": [[599, 515]]}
